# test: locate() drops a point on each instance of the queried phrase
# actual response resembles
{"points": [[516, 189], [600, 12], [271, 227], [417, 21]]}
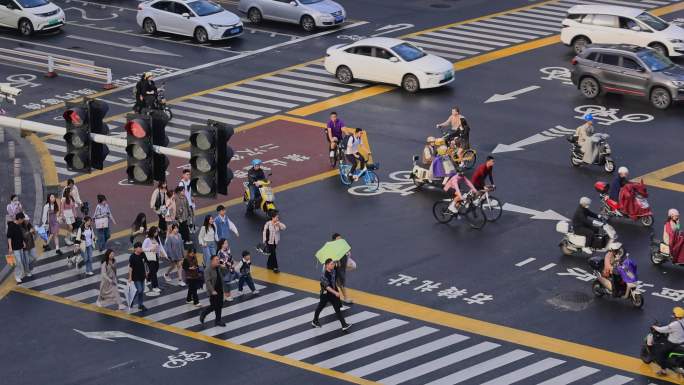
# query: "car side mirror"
{"points": [[293, 3], [393, 59], [186, 15]]}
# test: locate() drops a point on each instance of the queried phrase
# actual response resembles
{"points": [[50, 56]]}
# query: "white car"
{"points": [[608, 24], [200, 19], [310, 14], [387, 60], [31, 15]]}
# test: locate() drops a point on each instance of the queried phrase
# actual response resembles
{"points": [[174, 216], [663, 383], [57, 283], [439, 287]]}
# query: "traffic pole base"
{"points": [[109, 86], [51, 74]]}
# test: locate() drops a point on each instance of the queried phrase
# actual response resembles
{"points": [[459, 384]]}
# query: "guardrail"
{"points": [[54, 65]]}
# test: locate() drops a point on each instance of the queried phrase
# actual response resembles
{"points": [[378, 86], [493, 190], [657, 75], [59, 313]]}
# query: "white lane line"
{"points": [[483, 367], [525, 372], [407, 355], [490, 31], [309, 84], [346, 339], [204, 117], [458, 39], [528, 26], [254, 99], [314, 332], [328, 79], [278, 95], [183, 122], [376, 347], [80, 283], [623, 3], [452, 42], [220, 111], [507, 27], [444, 55], [525, 262], [439, 363], [289, 89], [443, 48], [571, 376], [546, 267], [249, 107], [615, 380], [483, 35]]}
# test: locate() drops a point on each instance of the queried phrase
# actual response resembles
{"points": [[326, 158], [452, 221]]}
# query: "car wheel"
{"points": [[254, 15], [25, 27], [660, 48], [344, 75], [410, 83], [201, 35], [579, 43], [661, 98], [149, 26], [589, 87], [308, 23]]}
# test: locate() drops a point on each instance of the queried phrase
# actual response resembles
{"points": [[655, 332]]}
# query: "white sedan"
{"points": [[200, 19], [387, 60]]}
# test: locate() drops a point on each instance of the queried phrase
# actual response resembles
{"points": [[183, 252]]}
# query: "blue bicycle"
{"points": [[368, 176]]}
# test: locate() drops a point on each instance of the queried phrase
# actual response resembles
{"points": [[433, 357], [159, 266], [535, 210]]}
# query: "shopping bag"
{"points": [[11, 261], [130, 293], [351, 264]]}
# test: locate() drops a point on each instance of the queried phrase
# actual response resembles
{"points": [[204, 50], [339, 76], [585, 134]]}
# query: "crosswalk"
{"points": [[380, 346]]}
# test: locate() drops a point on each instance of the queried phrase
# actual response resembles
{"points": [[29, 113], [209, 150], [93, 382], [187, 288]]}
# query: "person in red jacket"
{"points": [[483, 171]]}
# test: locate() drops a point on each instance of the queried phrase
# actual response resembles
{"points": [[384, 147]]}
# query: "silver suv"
{"points": [[630, 70]]}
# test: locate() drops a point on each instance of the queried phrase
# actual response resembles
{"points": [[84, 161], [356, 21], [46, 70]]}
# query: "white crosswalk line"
{"points": [[440, 47], [252, 303], [561, 15], [191, 114], [64, 171], [44, 280], [56, 147], [446, 45], [314, 70], [525, 372], [308, 84], [254, 99], [533, 23], [277, 95], [176, 130], [439, 363], [528, 27], [482, 367], [254, 318], [317, 78], [555, 19], [279, 327], [379, 346], [444, 55], [314, 332], [84, 295], [490, 23], [80, 283], [290, 89], [615, 380], [483, 35], [609, 2], [216, 110], [655, 2], [249, 107], [571, 376], [457, 39], [58, 159], [407, 355], [347, 339], [182, 122], [490, 31], [555, 7]]}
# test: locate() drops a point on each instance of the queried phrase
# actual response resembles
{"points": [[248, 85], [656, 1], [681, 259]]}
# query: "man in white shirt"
{"points": [[675, 338], [352, 153]]}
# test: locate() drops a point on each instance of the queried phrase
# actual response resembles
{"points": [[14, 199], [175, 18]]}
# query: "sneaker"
{"points": [[181, 283], [122, 307], [346, 327], [348, 301], [89, 273], [452, 207], [58, 251], [188, 301], [197, 304], [17, 279], [315, 324], [219, 323], [142, 308], [202, 319], [98, 303], [229, 299], [46, 247], [332, 154], [29, 275], [156, 289], [276, 270], [255, 292]]}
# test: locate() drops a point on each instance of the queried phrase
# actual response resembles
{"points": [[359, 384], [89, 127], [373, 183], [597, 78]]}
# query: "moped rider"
{"points": [[255, 176], [582, 222], [610, 262], [428, 152], [584, 139], [675, 338], [619, 182]]}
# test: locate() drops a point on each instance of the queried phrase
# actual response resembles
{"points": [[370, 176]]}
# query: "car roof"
{"points": [[384, 42], [614, 10]]}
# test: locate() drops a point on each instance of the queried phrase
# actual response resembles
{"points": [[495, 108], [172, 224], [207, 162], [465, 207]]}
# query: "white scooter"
{"points": [[603, 157], [576, 245]]}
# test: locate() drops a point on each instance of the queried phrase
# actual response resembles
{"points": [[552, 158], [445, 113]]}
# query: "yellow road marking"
{"points": [[658, 178], [341, 100], [47, 164], [7, 286], [197, 336]]}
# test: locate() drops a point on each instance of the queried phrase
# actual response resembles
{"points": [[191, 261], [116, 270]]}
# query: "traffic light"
{"points": [[209, 158], [139, 149], [96, 112], [159, 161], [77, 137]]}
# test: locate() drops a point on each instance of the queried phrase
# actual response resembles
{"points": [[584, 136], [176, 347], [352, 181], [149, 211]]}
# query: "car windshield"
{"points": [[32, 3], [205, 8], [652, 21], [408, 52], [310, 1], [655, 61]]}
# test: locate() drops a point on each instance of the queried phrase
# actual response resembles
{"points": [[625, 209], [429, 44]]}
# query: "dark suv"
{"points": [[630, 70]]}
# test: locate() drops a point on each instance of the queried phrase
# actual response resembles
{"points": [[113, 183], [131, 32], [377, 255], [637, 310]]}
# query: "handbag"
{"points": [[151, 255], [101, 223], [351, 264], [11, 261]]}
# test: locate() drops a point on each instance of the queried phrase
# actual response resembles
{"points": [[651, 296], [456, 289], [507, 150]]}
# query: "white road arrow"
{"points": [[85, 17], [511, 95], [140, 49], [548, 214], [108, 335], [392, 28], [552, 133]]}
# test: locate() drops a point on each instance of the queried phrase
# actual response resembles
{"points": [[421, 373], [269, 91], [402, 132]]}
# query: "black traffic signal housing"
{"points": [[209, 158], [98, 151], [160, 162], [139, 149], [77, 137]]}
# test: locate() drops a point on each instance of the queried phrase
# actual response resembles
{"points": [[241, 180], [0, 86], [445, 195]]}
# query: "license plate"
{"points": [[235, 30], [53, 21], [338, 19]]}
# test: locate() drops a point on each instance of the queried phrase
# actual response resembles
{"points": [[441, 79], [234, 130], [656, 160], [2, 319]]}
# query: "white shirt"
{"points": [[674, 331], [188, 192], [88, 235], [353, 145]]}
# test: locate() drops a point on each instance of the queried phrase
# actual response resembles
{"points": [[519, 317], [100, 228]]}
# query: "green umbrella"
{"points": [[334, 250]]}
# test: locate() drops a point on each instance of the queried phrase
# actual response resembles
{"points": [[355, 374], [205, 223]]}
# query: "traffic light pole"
{"points": [[27, 125]]}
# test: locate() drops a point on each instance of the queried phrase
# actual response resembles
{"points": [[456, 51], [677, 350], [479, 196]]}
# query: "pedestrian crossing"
{"points": [[379, 347]]}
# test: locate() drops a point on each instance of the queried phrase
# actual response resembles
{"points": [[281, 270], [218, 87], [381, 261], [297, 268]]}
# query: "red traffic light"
{"points": [[75, 116], [136, 128]]}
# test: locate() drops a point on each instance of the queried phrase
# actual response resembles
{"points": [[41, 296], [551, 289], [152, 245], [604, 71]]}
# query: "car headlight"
{"points": [[678, 83], [676, 41], [432, 73], [217, 26]]}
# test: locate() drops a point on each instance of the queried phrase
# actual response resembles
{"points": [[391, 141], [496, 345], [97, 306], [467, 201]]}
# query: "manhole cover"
{"points": [[440, 5], [572, 301]]}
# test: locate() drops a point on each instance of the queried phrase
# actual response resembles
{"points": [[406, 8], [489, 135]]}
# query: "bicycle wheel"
{"points": [[476, 217], [441, 212], [492, 208], [344, 178], [371, 181], [469, 159]]}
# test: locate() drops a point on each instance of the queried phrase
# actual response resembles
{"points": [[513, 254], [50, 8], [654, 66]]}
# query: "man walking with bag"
{"points": [[213, 279], [329, 293]]}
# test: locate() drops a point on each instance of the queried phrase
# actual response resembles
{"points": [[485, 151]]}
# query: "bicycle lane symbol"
{"points": [[609, 116], [403, 186], [183, 358]]}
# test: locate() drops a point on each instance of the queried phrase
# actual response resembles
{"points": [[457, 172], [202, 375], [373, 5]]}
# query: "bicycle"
{"points": [[367, 175], [181, 359], [466, 161], [472, 212], [337, 153], [491, 206]]}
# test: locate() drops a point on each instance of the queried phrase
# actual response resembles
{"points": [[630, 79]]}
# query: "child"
{"points": [[245, 273]]}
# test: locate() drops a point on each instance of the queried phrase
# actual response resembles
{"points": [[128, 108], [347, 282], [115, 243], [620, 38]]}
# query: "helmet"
{"points": [[440, 142], [672, 213], [614, 246], [678, 312], [584, 201], [442, 150], [588, 117], [256, 162], [623, 170], [430, 139]]}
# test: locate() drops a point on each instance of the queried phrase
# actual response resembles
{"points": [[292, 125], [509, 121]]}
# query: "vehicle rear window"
{"points": [[609, 59], [605, 20], [362, 50]]}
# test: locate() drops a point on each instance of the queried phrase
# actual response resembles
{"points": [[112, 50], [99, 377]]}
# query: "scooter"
{"points": [[653, 342], [660, 252], [576, 245], [625, 278], [611, 208], [603, 159], [422, 176], [266, 199]]}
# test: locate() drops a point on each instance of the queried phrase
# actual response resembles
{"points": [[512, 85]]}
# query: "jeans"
{"points": [[253, 195], [20, 265], [139, 292], [152, 277], [325, 298], [247, 278], [208, 251], [102, 238], [88, 259], [229, 277]]}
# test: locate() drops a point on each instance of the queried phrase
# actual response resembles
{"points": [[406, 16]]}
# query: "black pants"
{"points": [[353, 159], [662, 352], [336, 304], [162, 225], [215, 305], [184, 231], [193, 285], [152, 277], [272, 262]]}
